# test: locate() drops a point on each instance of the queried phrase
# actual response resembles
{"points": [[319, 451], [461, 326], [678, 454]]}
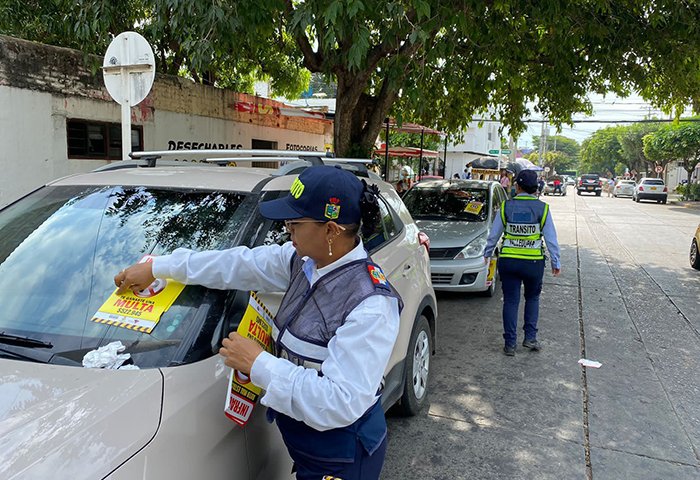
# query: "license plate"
{"points": [[653, 188], [589, 188]]}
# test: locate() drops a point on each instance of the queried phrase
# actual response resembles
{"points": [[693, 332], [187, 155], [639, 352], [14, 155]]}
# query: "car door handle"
{"points": [[406, 269]]}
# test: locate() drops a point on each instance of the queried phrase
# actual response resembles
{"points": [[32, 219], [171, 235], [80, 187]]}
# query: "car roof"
{"points": [[209, 178], [205, 177]]}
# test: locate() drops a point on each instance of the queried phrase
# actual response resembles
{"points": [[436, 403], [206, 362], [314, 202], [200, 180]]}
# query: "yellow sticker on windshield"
{"points": [[474, 207], [139, 311]]}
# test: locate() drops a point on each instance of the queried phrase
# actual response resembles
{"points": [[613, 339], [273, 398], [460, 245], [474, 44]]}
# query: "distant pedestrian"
{"points": [[505, 181], [611, 187], [557, 185], [523, 221]]}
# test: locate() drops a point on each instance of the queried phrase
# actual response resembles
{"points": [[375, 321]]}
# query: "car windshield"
{"points": [[590, 177], [653, 181], [61, 246], [626, 182], [449, 202]]}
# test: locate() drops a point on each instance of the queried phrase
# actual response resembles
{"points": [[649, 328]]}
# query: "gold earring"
{"points": [[330, 250]]}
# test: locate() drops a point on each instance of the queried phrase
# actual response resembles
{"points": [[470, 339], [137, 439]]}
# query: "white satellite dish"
{"points": [[128, 69]]}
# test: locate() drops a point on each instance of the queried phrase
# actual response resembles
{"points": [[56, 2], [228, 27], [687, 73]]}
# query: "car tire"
{"points": [[597, 194], [694, 255], [636, 199], [663, 201], [578, 192], [417, 369]]}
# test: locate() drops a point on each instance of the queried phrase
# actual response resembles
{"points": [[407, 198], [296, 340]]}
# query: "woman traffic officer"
{"points": [[334, 331]]}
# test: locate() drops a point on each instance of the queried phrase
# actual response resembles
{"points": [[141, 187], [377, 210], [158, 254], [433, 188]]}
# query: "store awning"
{"points": [[407, 127], [405, 152]]}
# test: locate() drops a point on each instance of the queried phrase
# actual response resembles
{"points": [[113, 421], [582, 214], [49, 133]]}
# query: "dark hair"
{"points": [[529, 189], [369, 210]]}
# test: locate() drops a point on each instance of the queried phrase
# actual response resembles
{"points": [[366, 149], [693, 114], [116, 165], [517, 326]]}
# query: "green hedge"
{"points": [[690, 191]]}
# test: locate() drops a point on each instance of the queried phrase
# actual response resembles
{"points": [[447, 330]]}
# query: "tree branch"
{"points": [[312, 60]]}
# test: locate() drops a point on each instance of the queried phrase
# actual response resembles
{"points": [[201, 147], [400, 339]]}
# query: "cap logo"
{"points": [[332, 211], [297, 189]]}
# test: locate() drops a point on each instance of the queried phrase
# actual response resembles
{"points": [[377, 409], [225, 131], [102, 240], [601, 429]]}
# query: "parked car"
{"points": [[549, 188], [624, 188], [60, 248], [457, 215], [695, 250], [590, 183], [650, 189]]}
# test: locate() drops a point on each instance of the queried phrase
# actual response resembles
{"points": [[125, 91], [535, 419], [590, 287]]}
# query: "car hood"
{"points": [[72, 422], [446, 234]]}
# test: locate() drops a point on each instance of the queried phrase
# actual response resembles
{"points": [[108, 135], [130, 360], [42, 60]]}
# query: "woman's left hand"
{"points": [[239, 352]]}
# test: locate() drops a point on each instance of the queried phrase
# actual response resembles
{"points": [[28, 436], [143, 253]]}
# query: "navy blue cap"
{"points": [[321, 192], [527, 179]]}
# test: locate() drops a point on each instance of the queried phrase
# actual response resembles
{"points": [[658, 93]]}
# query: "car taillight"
{"points": [[665, 189], [580, 183], [424, 240], [641, 189]]}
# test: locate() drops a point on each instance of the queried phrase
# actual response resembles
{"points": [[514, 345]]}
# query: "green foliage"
{"points": [[402, 139], [568, 152], [438, 63], [675, 141], [601, 152]]}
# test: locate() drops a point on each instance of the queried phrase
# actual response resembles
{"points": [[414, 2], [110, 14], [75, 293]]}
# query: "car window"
{"points": [[653, 181], [496, 200], [590, 177], [448, 202], [63, 246], [626, 182]]}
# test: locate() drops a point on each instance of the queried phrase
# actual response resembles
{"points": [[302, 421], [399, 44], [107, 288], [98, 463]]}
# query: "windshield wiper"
{"points": [[20, 341]]}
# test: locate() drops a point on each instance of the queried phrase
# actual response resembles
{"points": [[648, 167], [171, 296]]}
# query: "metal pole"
{"points": [[126, 103], [444, 158], [420, 160], [386, 152]]}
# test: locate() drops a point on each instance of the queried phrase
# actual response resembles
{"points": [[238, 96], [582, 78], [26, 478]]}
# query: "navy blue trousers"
{"points": [[365, 466], [514, 273]]}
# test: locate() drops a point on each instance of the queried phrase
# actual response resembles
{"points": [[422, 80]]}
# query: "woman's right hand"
{"points": [[135, 278]]}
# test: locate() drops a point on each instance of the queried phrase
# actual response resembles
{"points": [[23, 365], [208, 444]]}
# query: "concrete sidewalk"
{"points": [[541, 415]]}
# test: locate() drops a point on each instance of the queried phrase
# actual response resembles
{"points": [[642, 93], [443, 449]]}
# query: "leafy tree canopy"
{"points": [[430, 61], [675, 141], [601, 152]]}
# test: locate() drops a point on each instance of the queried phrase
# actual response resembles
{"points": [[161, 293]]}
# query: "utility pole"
{"points": [[540, 152]]}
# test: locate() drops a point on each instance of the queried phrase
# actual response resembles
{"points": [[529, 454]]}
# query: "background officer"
{"points": [[524, 221], [332, 342]]}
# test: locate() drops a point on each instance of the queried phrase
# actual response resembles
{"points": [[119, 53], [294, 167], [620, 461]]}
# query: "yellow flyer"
{"points": [[139, 311], [474, 207], [492, 271], [241, 395]]}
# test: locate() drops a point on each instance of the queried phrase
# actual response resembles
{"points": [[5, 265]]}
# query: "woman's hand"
{"points": [[135, 278], [239, 352]]}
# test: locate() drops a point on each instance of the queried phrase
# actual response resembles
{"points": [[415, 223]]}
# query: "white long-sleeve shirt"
{"points": [[358, 353]]}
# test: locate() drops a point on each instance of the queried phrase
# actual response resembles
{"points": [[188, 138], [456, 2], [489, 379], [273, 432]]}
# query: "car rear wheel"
{"points": [[417, 369], [636, 199], [663, 201], [597, 194], [694, 255]]}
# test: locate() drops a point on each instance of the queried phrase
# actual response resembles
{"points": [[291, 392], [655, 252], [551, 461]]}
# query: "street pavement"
{"points": [[627, 298]]}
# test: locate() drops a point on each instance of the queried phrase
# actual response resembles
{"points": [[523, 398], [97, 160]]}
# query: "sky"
{"points": [[610, 107]]}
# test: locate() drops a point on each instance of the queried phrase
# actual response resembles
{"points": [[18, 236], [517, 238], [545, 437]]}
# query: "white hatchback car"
{"points": [[60, 248]]}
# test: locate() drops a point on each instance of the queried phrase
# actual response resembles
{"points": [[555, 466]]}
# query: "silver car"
{"points": [[457, 215], [624, 188], [60, 248]]}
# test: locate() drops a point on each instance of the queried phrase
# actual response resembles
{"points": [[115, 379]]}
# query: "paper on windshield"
{"points": [[139, 311], [241, 394], [474, 207]]}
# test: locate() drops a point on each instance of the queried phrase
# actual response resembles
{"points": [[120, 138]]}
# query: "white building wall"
{"points": [[477, 143], [27, 134]]}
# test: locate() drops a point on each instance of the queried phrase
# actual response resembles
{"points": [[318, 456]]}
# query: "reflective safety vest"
{"points": [[523, 221]]}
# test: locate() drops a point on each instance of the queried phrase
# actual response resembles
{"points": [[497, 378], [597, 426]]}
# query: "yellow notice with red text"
{"points": [[241, 394], [142, 310]]}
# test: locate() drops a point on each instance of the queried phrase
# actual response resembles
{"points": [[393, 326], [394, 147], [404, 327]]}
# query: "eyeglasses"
{"points": [[289, 224]]}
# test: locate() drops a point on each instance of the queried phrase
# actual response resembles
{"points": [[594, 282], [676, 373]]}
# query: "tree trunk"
{"points": [[359, 117]]}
